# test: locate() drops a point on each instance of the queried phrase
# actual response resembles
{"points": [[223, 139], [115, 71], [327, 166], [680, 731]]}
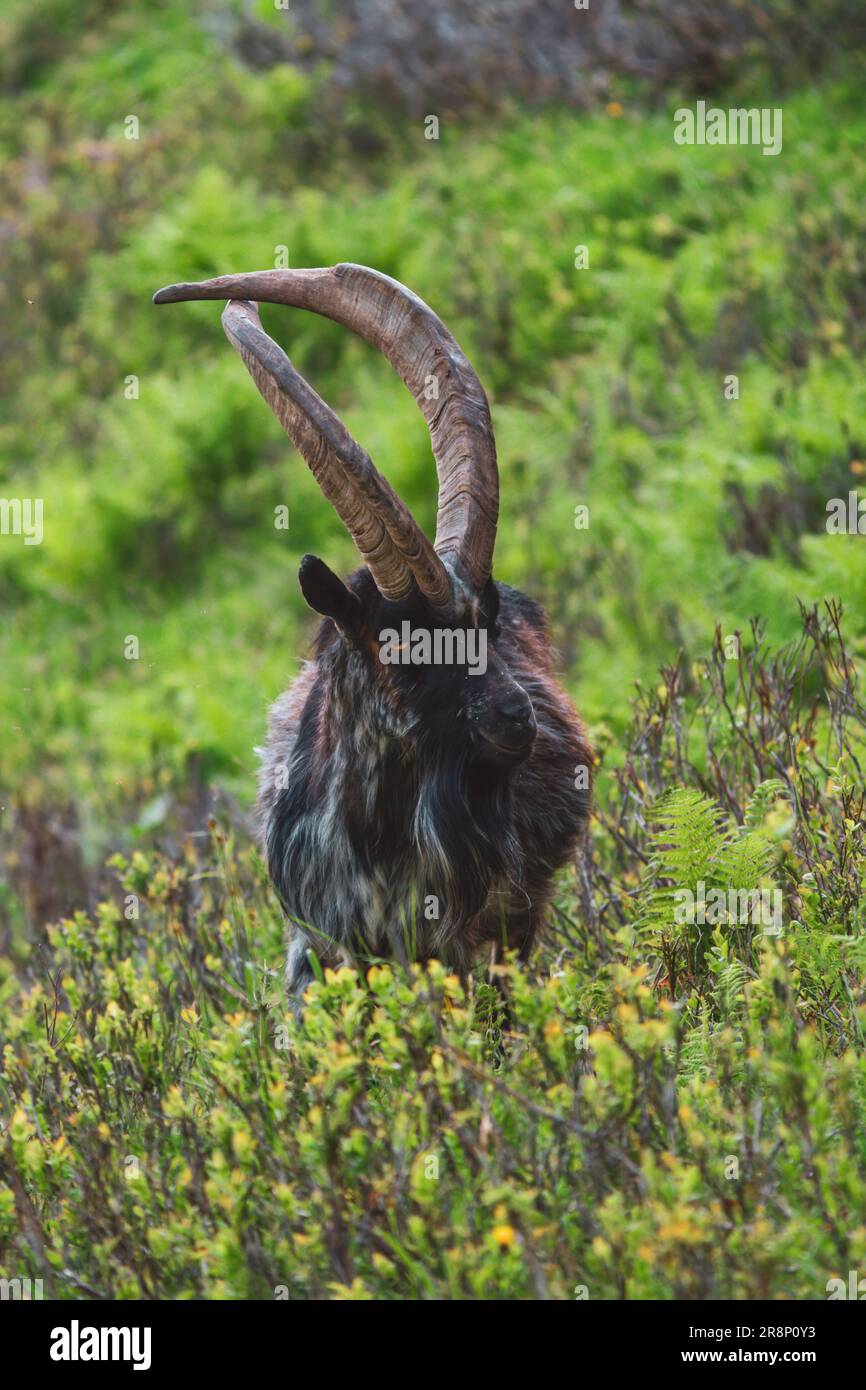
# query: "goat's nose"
{"points": [[515, 707]]}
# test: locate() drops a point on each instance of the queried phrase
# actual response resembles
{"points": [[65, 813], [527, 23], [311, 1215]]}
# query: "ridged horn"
{"points": [[429, 360], [392, 544]]}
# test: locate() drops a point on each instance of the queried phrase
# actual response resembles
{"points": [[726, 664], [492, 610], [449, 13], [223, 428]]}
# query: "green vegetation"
{"points": [[607, 384], [669, 1108]]}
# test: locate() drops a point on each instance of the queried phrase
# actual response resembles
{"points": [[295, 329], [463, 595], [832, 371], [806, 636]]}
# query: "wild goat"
{"points": [[411, 810]]}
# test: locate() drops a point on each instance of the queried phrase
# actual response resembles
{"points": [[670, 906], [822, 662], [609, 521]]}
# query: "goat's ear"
{"points": [[490, 602], [329, 596]]}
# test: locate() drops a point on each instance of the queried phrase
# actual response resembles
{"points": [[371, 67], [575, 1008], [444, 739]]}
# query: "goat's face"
{"points": [[441, 678]]}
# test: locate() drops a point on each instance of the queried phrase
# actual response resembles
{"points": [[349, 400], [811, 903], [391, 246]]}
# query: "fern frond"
{"points": [[690, 836], [763, 798], [744, 860]]}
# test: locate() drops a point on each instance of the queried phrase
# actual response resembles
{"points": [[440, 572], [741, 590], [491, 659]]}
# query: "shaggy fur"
{"points": [[389, 826]]}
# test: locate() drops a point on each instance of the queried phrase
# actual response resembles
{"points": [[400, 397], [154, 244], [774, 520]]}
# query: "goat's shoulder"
{"points": [[524, 638], [527, 646]]}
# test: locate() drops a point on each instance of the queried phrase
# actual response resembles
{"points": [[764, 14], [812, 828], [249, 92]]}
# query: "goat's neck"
{"points": [[371, 758]]}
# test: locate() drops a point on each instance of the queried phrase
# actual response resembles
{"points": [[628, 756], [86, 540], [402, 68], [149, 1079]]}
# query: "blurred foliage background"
{"points": [[259, 129], [671, 1109]]}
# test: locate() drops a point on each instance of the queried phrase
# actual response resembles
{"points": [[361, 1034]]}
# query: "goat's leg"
{"points": [[299, 972]]}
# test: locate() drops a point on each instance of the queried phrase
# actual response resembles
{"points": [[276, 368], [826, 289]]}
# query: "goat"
{"points": [[407, 810]]}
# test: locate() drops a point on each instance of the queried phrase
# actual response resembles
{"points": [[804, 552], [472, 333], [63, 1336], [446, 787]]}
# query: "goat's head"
{"points": [[410, 587]]}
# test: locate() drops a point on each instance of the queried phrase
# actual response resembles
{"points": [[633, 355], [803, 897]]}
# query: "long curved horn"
{"points": [[393, 545], [430, 362]]}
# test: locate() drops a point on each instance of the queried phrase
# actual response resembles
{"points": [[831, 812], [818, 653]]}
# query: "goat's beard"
{"points": [[464, 834]]}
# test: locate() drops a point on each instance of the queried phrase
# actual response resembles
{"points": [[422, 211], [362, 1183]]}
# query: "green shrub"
{"points": [[662, 1112]]}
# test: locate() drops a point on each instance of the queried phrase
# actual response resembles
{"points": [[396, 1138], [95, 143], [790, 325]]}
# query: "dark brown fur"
{"points": [[392, 825]]}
